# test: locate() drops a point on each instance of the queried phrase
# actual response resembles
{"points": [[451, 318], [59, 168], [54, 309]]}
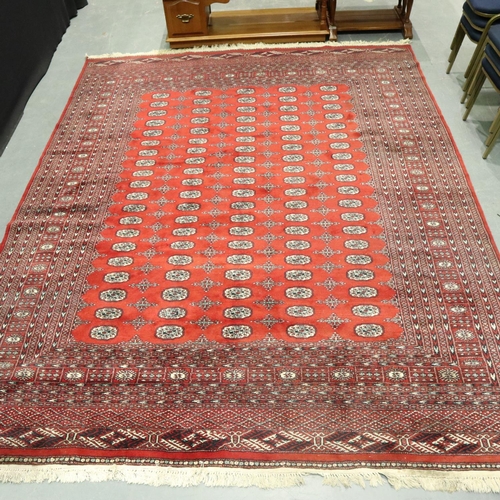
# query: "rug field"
{"points": [[242, 266]]}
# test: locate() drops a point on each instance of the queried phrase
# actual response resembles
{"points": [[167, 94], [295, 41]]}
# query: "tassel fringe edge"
{"points": [[448, 481], [251, 46]]}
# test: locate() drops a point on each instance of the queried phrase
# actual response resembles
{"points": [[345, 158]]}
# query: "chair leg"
{"points": [[471, 81], [455, 36], [475, 69], [492, 138], [472, 69], [475, 56], [455, 44], [478, 85], [494, 129]]}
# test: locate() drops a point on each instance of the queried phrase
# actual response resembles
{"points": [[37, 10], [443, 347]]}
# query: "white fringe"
{"points": [[471, 481], [250, 46]]}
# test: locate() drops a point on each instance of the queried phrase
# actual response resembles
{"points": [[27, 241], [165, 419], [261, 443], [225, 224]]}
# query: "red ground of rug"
{"points": [[249, 215]]}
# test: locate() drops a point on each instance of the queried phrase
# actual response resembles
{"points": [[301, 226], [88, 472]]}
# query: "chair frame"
{"points": [[478, 80], [459, 36], [475, 62]]}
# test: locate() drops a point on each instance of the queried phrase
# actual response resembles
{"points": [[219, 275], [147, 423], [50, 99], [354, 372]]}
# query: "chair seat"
{"points": [[472, 33], [488, 7], [475, 20]]}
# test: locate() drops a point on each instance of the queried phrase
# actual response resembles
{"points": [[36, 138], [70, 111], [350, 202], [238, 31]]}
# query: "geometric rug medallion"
{"points": [[251, 263]]}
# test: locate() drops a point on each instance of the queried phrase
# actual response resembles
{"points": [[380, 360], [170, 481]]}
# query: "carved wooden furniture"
{"points": [[371, 19], [191, 22]]}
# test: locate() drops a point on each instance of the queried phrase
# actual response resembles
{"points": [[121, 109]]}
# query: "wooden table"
{"points": [[191, 23], [370, 19]]}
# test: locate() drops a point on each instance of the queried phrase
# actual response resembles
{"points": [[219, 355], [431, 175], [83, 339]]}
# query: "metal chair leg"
{"points": [[472, 69], [478, 85], [475, 57], [492, 138], [471, 81], [456, 44], [455, 37], [493, 131]]}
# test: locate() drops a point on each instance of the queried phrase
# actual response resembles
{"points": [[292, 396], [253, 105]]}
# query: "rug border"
{"points": [[429, 480], [494, 245], [38, 166]]}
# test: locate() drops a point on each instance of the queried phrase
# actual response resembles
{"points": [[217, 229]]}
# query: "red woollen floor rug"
{"points": [[240, 267]]}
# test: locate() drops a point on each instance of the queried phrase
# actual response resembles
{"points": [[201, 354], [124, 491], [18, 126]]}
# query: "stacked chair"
{"points": [[480, 21], [472, 23], [487, 66]]}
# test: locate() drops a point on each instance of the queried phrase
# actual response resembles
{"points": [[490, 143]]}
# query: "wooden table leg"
{"points": [[404, 10], [407, 26], [332, 7], [322, 14]]}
